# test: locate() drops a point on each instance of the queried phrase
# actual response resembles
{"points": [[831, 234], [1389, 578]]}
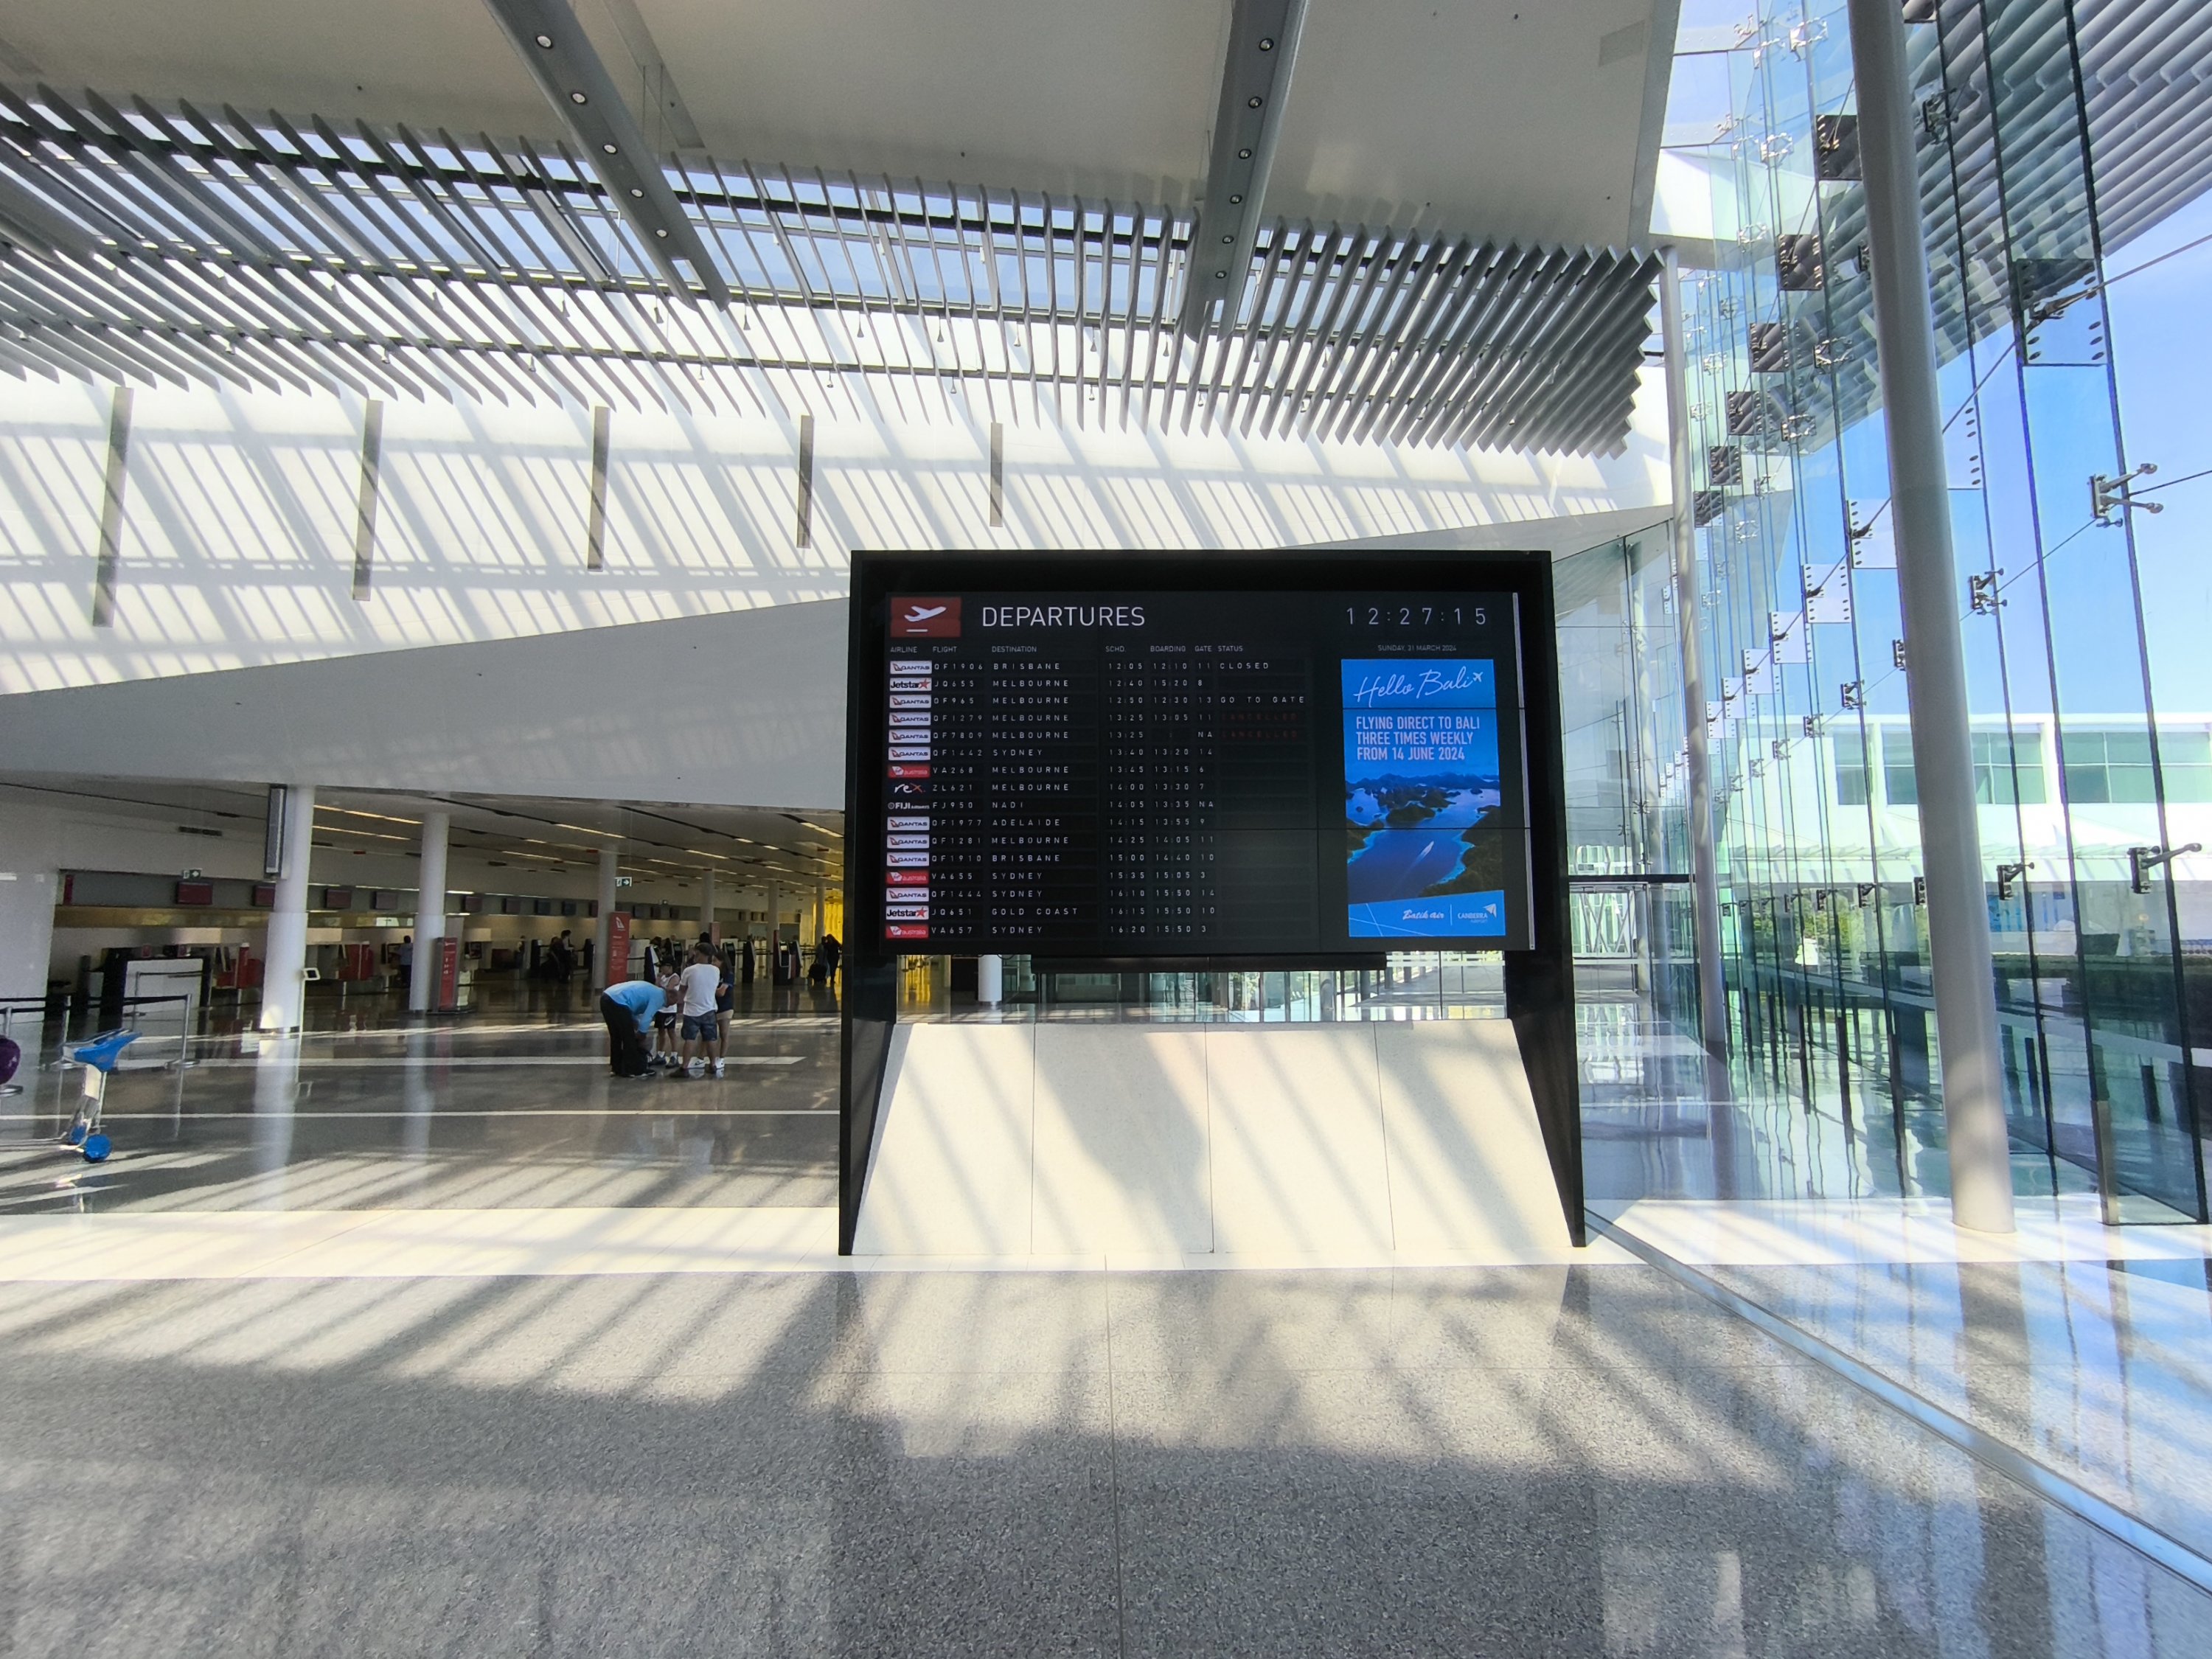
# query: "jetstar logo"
{"points": [[925, 619]]}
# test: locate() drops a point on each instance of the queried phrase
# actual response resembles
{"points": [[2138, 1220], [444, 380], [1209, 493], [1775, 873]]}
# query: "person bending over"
{"points": [[628, 1010]]}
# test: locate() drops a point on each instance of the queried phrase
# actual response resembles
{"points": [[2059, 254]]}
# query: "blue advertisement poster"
{"points": [[1425, 853]]}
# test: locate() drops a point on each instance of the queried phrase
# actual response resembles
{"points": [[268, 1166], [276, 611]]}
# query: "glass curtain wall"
{"points": [[1627, 816], [2065, 154]]}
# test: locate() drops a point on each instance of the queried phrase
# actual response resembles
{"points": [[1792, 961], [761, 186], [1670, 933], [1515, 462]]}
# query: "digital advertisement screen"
{"points": [[1192, 772]]}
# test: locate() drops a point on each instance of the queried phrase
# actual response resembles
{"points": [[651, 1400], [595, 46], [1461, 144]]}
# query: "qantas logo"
{"points": [[925, 619]]}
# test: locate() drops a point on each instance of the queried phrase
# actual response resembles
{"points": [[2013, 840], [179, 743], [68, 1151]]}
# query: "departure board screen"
{"points": [[1193, 773]]}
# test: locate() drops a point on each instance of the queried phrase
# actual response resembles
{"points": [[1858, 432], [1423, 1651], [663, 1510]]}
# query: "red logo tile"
{"points": [[925, 619]]}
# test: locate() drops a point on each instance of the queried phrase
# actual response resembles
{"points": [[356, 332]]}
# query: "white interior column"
{"points": [[603, 972], [1935, 675], [282, 995], [30, 882], [430, 909], [990, 980]]}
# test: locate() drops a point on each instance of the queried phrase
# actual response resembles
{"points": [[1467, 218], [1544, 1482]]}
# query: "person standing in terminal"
{"points": [[629, 1010], [703, 1026], [665, 1052], [407, 962], [829, 953]]}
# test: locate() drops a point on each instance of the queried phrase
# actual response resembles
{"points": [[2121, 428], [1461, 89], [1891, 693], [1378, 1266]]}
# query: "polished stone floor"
{"points": [[1521, 1460], [2084, 1348], [2101, 1370], [425, 1336]]}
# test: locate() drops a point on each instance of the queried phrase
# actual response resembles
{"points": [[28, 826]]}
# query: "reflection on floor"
{"points": [[432, 1317], [1533, 1461], [375, 1108], [2085, 1348]]}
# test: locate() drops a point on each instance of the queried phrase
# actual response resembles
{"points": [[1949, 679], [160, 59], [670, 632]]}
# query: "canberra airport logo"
{"points": [[925, 619]]}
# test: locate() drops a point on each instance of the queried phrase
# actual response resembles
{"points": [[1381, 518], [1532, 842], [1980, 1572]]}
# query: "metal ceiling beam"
{"points": [[561, 59], [1255, 79]]}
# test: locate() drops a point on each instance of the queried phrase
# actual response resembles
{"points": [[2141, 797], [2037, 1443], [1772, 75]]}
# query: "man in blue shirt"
{"points": [[628, 1009]]}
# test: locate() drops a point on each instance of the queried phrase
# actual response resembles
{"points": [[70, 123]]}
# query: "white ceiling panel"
{"points": [[1516, 119], [1508, 118], [436, 63]]}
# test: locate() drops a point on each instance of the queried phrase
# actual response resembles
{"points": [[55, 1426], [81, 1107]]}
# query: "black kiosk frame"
{"points": [[1539, 975]]}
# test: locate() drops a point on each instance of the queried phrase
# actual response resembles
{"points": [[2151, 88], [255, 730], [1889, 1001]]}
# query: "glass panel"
{"points": [[1850, 760], [2091, 756], [1898, 786]]}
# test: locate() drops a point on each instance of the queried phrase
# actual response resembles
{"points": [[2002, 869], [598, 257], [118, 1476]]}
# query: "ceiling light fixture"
{"points": [[578, 97], [1243, 155], [1254, 101], [1266, 43], [546, 41], [610, 150]]}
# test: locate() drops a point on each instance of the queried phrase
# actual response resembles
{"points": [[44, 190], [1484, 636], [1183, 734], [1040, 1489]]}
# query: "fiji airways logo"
{"points": [[925, 619]]}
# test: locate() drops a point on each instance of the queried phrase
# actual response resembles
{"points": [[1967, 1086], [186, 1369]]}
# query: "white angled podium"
{"points": [[1352, 1142]]}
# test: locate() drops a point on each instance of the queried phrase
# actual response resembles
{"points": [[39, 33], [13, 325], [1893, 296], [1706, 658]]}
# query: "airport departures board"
{"points": [[1202, 771]]}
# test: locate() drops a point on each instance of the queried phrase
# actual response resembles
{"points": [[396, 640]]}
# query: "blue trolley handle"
{"points": [[98, 1057]]}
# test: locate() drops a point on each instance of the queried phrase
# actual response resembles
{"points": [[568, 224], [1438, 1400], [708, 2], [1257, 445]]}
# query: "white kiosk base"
{"points": [[1353, 1143]]}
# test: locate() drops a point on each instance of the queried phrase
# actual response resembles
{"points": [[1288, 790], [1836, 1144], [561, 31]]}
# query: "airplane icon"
{"points": [[925, 619]]}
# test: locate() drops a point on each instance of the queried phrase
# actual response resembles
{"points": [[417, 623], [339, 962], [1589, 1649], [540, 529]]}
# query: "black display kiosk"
{"points": [[1281, 759]]}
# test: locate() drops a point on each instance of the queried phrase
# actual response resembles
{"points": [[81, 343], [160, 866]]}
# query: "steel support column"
{"points": [[1704, 868]]}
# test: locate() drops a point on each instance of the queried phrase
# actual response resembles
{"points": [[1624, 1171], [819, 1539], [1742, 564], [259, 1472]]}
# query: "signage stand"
{"points": [[1059, 682]]}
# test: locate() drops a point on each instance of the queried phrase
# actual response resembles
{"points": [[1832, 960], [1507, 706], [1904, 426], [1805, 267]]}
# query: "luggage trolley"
{"points": [[98, 1055]]}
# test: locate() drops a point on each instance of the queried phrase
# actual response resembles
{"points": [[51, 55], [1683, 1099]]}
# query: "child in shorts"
{"points": [[665, 1049]]}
